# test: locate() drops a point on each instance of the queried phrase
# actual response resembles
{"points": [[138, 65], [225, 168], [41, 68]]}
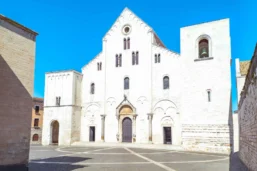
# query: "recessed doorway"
{"points": [[91, 133], [167, 135]]}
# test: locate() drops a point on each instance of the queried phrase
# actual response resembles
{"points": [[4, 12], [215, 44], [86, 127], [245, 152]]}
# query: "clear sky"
{"points": [[71, 31]]}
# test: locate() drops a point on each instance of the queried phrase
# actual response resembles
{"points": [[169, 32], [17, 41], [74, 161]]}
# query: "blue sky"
{"points": [[70, 32]]}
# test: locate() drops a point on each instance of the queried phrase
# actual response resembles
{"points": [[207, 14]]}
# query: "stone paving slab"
{"points": [[122, 159]]}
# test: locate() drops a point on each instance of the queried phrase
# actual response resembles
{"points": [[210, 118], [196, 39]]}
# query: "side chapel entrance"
{"points": [[167, 135], [55, 132]]}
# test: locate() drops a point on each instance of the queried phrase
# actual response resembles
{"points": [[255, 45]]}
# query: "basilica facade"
{"points": [[136, 90]]}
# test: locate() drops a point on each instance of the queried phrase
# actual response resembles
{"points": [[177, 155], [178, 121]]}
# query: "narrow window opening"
{"points": [[36, 109], [159, 58], [117, 60], [126, 83], [120, 61], [155, 58], [203, 48], [166, 82], [133, 58], [137, 58], [128, 42], [125, 43], [209, 95], [92, 88], [36, 122]]}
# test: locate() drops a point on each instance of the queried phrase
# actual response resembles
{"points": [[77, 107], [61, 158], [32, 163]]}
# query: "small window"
{"points": [[124, 43], [128, 43], [209, 95], [159, 58], [166, 83], [97, 66], [36, 108], [92, 88], [126, 83], [36, 122], [35, 137], [203, 48], [137, 58], [133, 58], [155, 58]]}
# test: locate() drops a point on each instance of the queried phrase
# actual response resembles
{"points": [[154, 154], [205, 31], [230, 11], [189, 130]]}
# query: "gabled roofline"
{"points": [[91, 60]]}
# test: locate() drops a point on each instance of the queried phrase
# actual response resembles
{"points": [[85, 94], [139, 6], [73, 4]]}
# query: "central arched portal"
{"points": [[127, 130], [55, 132]]}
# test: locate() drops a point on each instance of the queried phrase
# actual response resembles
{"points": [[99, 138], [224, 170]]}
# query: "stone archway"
{"points": [[55, 132], [127, 130]]}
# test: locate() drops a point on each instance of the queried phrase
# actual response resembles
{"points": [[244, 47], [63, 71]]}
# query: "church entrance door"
{"points": [[127, 130], [167, 135], [55, 132]]}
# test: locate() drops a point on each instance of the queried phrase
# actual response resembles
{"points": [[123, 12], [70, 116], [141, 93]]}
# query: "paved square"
{"points": [[54, 158]]}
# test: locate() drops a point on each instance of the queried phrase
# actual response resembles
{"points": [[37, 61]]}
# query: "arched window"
{"points": [[137, 58], [117, 60], [203, 48], [125, 43], [128, 43], [126, 83], [120, 60], [100, 66], [133, 58], [159, 58], [166, 82], [35, 137], [155, 58], [97, 66], [92, 88]]}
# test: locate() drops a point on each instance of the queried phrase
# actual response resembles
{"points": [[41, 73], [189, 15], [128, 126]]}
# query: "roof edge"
{"points": [[18, 25]]}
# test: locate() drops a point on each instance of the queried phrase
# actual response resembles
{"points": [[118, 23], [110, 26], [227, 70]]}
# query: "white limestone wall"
{"points": [[211, 74], [64, 116], [205, 124], [60, 84]]}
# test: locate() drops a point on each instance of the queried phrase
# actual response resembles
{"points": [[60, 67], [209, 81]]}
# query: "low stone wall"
{"points": [[207, 138], [247, 110]]}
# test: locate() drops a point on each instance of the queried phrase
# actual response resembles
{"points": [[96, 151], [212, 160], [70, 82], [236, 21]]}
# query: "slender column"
{"points": [[150, 117], [134, 127], [103, 126]]}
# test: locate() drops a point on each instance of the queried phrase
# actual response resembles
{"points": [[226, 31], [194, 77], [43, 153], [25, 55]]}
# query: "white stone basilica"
{"points": [[138, 91]]}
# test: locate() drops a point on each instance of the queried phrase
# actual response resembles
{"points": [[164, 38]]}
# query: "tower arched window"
{"points": [[137, 56], [126, 83], [125, 43], [92, 88], [128, 43], [133, 58], [203, 48], [166, 82], [155, 58]]}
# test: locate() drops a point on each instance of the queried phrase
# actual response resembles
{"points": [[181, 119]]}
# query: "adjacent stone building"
{"points": [[17, 61], [37, 120], [247, 110], [136, 90]]}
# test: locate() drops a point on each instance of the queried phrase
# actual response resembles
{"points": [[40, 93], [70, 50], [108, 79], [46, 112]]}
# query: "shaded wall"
{"points": [[247, 110], [17, 53]]}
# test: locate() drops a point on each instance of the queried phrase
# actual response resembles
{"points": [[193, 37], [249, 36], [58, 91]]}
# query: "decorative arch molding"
{"points": [[167, 120], [111, 101], [210, 43], [165, 100], [142, 99]]}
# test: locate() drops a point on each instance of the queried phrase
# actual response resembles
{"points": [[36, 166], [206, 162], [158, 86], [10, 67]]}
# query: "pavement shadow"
{"points": [[64, 163], [235, 164]]}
